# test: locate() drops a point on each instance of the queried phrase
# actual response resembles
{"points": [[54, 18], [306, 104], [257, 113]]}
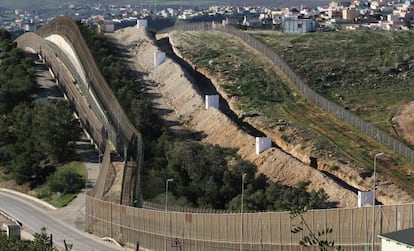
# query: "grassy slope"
{"points": [[258, 90], [369, 72]]}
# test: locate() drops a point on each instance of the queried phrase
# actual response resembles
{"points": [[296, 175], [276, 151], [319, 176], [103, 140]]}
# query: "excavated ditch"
{"points": [[204, 86], [178, 90]]}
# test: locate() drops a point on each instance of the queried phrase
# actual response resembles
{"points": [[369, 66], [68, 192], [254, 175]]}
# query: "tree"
{"points": [[25, 162], [22, 157], [198, 170], [12, 244], [55, 130], [41, 242], [65, 181], [319, 239]]}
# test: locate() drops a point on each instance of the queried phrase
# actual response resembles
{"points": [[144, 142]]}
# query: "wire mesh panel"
{"points": [[155, 229], [351, 228]]}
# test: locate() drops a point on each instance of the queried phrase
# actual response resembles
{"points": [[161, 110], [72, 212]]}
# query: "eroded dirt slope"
{"points": [[182, 107]]}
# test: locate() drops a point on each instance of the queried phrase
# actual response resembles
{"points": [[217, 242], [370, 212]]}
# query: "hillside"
{"points": [[343, 66], [375, 84], [176, 92], [339, 149]]}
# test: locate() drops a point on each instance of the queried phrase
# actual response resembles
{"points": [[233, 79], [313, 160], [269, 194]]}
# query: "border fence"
{"points": [[353, 228], [123, 135], [157, 229], [97, 107]]}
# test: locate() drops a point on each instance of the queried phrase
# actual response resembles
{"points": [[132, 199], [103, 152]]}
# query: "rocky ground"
{"points": [[176, 95]]}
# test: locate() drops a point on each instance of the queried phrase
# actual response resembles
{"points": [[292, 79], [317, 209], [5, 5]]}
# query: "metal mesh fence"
{"points": [[155, 229], [118, 129], [62, 75], [122, 127], [98, 191]]}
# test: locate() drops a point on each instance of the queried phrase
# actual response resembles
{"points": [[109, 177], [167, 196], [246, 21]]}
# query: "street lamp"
{"points": [[166, 209], [241, 214], [376, 156]]}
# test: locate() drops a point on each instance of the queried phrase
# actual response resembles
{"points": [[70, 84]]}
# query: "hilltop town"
{"points": [[384, 15]]}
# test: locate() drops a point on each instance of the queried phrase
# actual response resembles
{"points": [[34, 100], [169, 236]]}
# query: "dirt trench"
{"points": [[177, 91]]}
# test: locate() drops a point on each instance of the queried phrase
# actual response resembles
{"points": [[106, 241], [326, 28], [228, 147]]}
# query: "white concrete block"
{"points": [[365, 198], [212, 101], [142, 23], [262, 144], [159, 58]]}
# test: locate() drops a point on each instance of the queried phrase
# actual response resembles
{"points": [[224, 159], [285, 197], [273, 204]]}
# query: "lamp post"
{"points": [[376, 156], [241, 214], [166, 209]]}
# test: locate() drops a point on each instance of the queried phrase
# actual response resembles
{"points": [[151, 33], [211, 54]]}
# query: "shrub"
{"points": [[65, 180]]}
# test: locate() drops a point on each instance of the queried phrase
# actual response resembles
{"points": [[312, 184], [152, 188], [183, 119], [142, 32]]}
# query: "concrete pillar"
{"points": [[212, 101], [262, 144], [159, 58]]}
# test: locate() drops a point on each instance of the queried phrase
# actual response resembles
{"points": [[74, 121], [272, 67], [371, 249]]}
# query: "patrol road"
{"points": [[34, 216]]}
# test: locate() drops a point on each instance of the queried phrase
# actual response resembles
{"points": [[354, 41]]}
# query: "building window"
{"points": [[299, 26]]}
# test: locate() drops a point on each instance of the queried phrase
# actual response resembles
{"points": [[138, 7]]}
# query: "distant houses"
{"points": [[347, 15]]}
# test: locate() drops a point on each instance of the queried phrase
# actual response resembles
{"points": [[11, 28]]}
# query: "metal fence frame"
{"points": [[351, 227], [126, 140]]}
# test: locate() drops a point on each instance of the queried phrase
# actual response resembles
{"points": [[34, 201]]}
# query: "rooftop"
{"points": [[405, 236]]}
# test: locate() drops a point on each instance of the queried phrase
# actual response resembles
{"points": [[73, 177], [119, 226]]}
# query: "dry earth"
{"points": [[405, 121], [174, 93]]}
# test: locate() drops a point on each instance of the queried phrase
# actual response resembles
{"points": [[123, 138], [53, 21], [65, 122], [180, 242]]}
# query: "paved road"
{"points": [[34, 216]]}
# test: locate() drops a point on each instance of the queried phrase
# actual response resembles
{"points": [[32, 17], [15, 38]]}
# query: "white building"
{"points": [[299, 26], [398, 241]]}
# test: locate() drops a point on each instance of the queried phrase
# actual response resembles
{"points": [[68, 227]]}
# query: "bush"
{"points": [[65, 180]]}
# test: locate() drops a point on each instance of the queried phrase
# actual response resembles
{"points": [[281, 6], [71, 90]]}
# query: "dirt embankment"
{"points": [[179, 101]]}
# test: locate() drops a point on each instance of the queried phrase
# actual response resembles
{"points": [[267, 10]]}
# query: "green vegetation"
{"points": [[34, 137], [63, 185], [128, 92], [206, 176], [65, 180], [313, 239], [246, 76], [55, 127], [41, 241], [344, 67]]}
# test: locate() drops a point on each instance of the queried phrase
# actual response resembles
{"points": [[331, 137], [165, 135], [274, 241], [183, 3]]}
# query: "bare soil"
{"points": [[176, 95], [404, 120]]}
